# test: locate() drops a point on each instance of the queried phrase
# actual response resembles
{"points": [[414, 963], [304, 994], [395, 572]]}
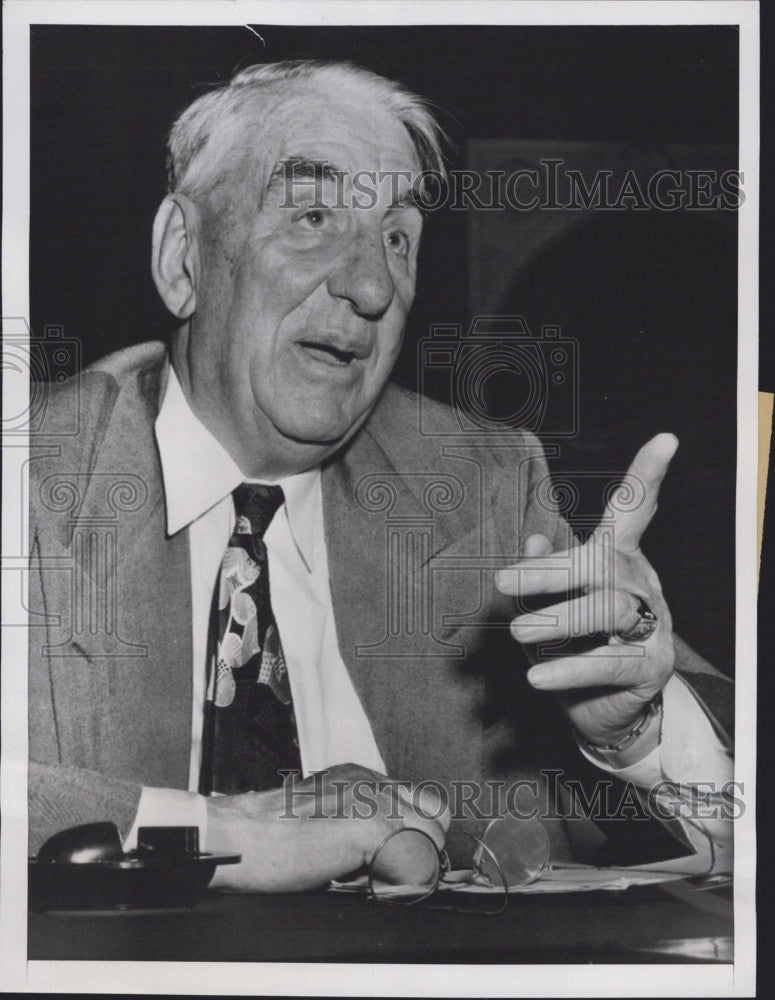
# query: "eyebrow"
{"points": [[409, 199], [303, 168], [293, 168]]}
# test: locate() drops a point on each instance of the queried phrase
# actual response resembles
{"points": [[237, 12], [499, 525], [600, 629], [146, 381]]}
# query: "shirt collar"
{"points": [[198, 472]]}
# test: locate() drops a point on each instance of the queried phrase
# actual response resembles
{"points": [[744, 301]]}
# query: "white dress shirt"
{"points": [[199, 476]]}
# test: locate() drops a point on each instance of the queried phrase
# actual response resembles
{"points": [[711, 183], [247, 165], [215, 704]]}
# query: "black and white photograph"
{"points": [[379, 501]]}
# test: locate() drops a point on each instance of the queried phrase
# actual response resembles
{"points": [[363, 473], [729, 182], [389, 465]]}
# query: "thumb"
{"points": [[651, 462], [634, 502]]}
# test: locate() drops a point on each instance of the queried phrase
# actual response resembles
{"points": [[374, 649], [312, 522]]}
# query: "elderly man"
{"points": [[211, 572]]}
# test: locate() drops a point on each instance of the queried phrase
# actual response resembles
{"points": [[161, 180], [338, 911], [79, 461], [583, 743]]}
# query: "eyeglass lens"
{"points": [[405, 867], [521, 846]]}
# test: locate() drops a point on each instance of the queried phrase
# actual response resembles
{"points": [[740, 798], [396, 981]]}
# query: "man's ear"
{"points": [[175, 261]]}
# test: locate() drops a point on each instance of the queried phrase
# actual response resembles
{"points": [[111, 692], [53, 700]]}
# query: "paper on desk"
{"points": [[578, 878]]}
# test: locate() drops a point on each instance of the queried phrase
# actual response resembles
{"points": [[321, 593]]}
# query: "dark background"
{"points": [[651, 297]]}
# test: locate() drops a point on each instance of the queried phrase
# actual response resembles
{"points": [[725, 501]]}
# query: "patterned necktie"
{"points": [[249, 728]]}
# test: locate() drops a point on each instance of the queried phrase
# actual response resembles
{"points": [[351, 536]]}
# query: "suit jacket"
{"points": [[416, 519]]}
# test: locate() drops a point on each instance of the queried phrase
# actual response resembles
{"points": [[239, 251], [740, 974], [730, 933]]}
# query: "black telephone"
{"points": [[86, 867]]}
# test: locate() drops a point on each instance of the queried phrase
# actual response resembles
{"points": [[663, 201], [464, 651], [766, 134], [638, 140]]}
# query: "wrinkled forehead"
{"points": [[351, 131]]}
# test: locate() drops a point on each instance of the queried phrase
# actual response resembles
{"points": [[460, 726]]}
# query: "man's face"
{"points": [[301, 302]]}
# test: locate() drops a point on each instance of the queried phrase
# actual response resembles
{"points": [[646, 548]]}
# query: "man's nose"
{"points": [[363, 278]]}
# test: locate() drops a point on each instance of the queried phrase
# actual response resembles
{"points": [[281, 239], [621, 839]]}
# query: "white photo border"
{"points": [[329, 978]]}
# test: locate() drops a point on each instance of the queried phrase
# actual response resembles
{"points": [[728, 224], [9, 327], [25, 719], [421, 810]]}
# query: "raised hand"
{"points": [[604, 690]]}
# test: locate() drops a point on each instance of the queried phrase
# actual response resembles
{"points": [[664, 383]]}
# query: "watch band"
{"points": [[653, 708]]}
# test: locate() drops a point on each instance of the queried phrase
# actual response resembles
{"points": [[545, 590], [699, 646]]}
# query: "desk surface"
{"points": [[671, 923]]}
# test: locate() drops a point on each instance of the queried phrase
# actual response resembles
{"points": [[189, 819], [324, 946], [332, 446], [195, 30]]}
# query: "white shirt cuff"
{"points": [[689, 751], [169, 807]]}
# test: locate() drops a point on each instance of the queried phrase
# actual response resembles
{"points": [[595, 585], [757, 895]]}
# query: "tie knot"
{"points": [[258, 504]]}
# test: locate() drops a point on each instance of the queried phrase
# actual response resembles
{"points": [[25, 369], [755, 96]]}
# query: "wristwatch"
{"points": [[652, 710]]}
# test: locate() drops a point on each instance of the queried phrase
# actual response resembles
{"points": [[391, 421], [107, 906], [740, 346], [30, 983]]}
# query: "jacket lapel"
{"points": [[409, 683], [132, 607]]}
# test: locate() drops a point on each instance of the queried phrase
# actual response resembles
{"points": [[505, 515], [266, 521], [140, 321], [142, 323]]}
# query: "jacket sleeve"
{"points": [[713, 690], [61, 795]]}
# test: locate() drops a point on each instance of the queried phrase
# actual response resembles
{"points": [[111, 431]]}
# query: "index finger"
{"points": [[568, 570]]}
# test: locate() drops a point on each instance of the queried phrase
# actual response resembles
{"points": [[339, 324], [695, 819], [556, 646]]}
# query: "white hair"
{"points": [[208, 126]]}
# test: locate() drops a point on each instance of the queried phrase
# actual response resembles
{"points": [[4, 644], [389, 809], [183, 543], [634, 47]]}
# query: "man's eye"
{"points": [[316, 218], [398, 242]]}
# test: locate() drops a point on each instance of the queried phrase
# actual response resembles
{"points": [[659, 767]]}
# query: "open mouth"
{"points": [[327, 353]]}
